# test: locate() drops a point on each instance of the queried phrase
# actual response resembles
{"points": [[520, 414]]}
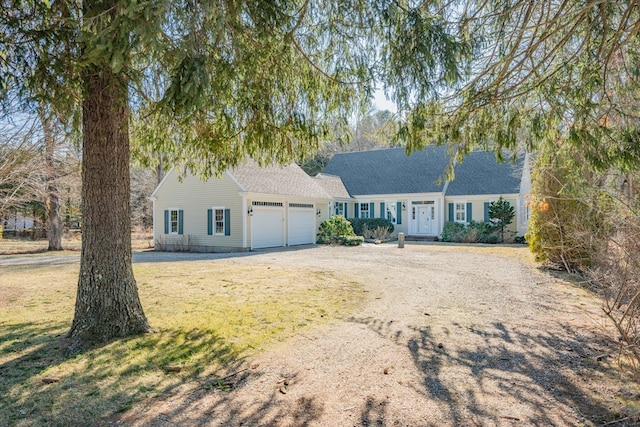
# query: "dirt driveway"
{"points": [[449, 336]]}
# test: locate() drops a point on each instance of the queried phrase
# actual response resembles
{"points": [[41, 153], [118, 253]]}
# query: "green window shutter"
{"points": [[227, 222], [383, 213], [356, 211], [486, 212], [166, 222], [372, 208], [469, 210], [346, 215], [450, 212], [180, 221], [399, 213], [210, 222]]}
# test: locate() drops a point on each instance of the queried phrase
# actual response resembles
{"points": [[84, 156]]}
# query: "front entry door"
{"points": [[425, 219]]}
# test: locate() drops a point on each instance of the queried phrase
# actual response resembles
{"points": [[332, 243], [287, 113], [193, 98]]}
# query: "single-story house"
{"points": [[251, 207], [247, 207], [412, 191]]}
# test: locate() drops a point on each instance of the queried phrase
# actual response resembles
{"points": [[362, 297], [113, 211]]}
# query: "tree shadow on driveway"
{"points": [[496, 375]]}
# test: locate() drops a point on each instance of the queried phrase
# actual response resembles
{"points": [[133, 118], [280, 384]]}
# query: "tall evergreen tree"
{"points": [[203, 83], [206, 83]]}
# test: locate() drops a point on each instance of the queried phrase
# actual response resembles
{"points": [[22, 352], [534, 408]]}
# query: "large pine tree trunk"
{"points": [[54, 222], [107, 304]]}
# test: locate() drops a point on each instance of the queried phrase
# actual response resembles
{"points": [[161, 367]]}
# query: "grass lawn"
{"points": [[208, 316]]}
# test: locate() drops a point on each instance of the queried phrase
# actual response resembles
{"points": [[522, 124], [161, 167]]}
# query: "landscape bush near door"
{"points": [[474, 232], [361, 225], [338, 229]]}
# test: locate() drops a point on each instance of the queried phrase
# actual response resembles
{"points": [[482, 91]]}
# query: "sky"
{"points": [[381, 103]]}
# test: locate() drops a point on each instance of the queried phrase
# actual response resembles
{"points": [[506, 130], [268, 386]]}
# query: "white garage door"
{"points": [[302, 224], [267, 225]]}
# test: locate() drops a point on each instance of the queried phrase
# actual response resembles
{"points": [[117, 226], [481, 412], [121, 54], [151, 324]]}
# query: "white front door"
{"points": [[424, 219]]}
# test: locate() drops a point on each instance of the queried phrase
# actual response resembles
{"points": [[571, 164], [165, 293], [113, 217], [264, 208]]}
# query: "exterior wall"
{"points": [[478, 208], [404, 213], [441, 205], [194, 197]]}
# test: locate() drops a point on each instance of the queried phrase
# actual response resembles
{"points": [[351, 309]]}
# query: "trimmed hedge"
{"points": [[371, 223]]}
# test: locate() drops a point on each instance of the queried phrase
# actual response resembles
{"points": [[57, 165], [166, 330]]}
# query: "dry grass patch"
{"points": [[70, 242], [208, 315], [514, 251]]}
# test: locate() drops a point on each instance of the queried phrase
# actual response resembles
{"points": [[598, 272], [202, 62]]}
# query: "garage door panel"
{"points": [[267, 227], [302, 226]]}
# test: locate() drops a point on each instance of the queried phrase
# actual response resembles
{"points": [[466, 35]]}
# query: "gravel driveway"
{"points": [[448, 336]]}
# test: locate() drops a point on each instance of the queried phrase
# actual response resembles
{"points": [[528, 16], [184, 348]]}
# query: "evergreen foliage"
{"points": [[206, 84], [337, 229], [501, 214]]}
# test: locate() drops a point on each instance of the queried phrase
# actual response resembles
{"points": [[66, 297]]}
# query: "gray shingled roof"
{"points": [[391, 171], [480, 173], [333, 185], [283, 180]]}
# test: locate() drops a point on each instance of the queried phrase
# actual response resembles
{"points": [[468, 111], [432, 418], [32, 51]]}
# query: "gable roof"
{"points": [[390, 171], [333, 185], [288, 180], [480, 173]]}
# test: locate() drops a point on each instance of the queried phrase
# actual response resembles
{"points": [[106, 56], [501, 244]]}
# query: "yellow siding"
{"points": [[478, 206], [195, 197]]}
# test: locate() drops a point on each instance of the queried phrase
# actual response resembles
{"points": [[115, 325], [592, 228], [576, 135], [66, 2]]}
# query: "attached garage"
{"points": [[248, 207], [302, 224], [267, 225]]}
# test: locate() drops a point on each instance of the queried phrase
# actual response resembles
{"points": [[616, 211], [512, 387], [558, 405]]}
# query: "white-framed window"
{"points": [[339, 208], [363, 210], [391, 208], [460, 212], [218, 220], [173, 221]]}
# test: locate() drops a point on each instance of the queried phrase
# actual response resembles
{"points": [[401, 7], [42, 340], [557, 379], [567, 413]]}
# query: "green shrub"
{"points": [[452, 232], [359, 224], [337, 229], [486, 232], [351, 240], [501, 214], [474, 232]]}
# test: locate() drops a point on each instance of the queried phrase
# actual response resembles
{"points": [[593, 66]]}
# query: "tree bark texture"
{"points": [[107, 302], [54, 222]]}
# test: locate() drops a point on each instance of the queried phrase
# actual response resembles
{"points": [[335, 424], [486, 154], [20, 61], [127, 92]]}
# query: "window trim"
{"points": [[214, 220], [337, 211], [177, 221], [463, 211], [367, 204]]}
